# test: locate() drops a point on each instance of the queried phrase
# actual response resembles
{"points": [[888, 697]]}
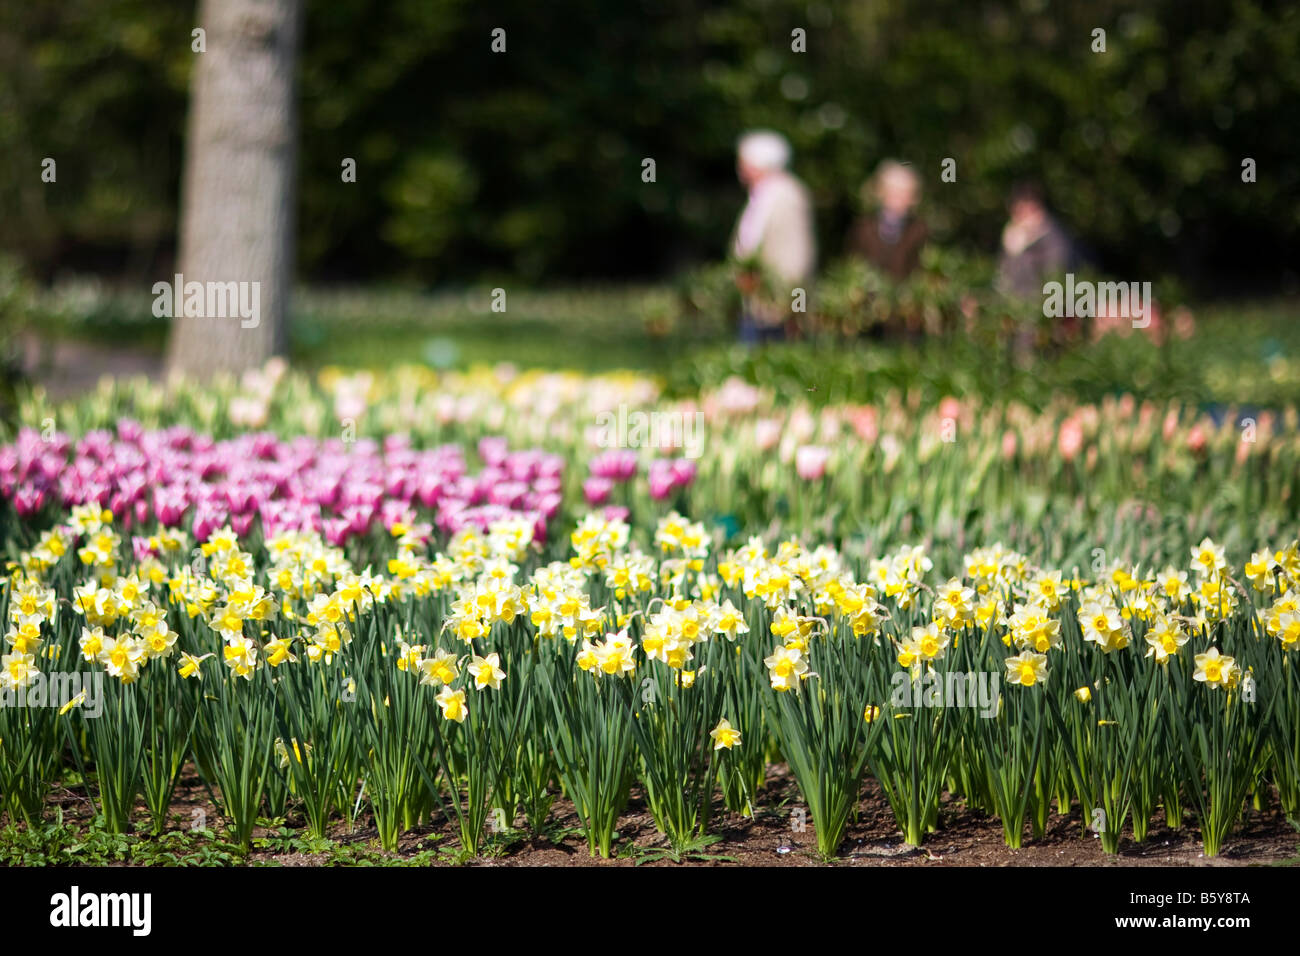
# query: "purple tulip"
{"points": [[29, 501], [303, 483], [597, 490], [615, 465]]}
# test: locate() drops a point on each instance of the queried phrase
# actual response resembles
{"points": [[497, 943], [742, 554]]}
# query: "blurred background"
{"points": [[524, 171]]}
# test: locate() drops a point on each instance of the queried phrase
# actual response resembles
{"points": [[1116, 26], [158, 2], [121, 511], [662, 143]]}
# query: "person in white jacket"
{"points": [[773, 241]]}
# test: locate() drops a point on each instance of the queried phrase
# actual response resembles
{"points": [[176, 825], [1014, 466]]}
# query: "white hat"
{"points": [[764, 149]]}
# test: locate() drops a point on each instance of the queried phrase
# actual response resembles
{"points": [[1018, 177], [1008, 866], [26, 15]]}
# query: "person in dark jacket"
{"points": [[891, 239], [1035, 248]]}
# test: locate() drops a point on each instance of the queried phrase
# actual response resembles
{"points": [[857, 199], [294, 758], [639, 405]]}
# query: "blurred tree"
{"points": [[238, 196]]}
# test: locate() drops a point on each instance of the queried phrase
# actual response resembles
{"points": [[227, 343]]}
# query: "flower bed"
{"points": [[452, 604], [468, 681]]}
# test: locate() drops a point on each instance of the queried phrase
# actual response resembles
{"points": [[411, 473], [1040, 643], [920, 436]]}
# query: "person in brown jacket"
{"points": [[892, 238]]}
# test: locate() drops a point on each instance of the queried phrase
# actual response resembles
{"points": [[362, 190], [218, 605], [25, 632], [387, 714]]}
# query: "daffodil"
{"points": [[909, 654], [452, 703], [1033, 629], [1047, 589], [1208, 559], [1103, 625], [486, 672], [240, 656], [614, 656], [1287, 630], [930, 641], [17, 670], [409, 656], [954, 604], [26, 637], [786, 667], [1259, 570], [1027, 668], [122, 657], [91, 643], [1215, 669], [587, 657], [1164, 638], [441, 668], [190, 665], [279, 651], [724, 735]]}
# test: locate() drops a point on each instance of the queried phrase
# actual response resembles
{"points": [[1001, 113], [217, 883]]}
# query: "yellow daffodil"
{"points": [[786, 667], [1027, 668], [1215, 669], [486, 672], [190, 665], [724, 735], [452, 703]]}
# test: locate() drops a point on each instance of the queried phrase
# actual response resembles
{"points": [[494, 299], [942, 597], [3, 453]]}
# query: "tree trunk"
{"points": [[238, 197]]}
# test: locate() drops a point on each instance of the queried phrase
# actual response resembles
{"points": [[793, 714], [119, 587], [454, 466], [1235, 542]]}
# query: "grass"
{"points": [[1252, 356], [593, 330], [589, 328]]}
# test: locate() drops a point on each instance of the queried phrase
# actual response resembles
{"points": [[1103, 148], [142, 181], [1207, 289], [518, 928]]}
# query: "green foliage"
{"points": [[1252, 362], [57, 843]]}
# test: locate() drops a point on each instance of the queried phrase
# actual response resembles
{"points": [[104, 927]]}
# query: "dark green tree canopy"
{"points": [[528, 163]]}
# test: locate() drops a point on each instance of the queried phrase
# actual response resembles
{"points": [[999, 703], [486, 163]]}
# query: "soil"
{"points": [[964, 837]]}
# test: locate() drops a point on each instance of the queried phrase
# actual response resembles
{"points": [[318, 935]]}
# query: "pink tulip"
{"points": [[1070, 438], [864, 423], [492, 450], [661, 484], [767, 432], [684, 471], [1170, 424], [810, 461]]}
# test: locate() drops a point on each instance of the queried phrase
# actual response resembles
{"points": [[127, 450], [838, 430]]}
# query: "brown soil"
{"points": [[964, 838]]}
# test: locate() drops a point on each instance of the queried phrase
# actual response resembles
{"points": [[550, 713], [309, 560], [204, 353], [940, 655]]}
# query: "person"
{"points": [[1035, 248], [773, 242], [892, 238]]}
